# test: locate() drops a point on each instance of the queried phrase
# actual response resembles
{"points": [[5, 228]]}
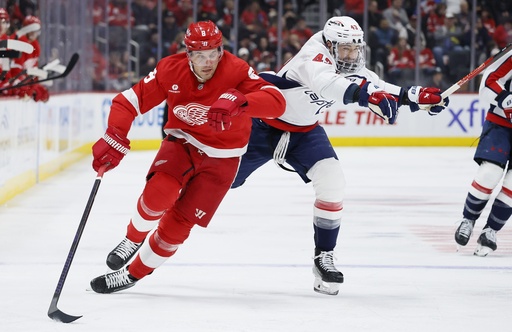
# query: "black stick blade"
{"points": [[59, 316]]}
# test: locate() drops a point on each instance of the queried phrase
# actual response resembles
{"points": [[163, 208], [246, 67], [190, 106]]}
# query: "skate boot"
{"points": [[486, 242], [327, 277], [464, 231], [113, 282], [122, 254]]}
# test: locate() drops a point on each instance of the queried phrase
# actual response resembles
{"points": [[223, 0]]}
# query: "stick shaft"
{"points": [[475, 72]]}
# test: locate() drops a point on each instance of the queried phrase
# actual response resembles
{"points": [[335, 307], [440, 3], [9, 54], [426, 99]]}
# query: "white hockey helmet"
{"points": [[347, 43]]}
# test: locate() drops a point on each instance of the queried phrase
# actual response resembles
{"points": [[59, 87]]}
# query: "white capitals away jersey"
{"points": [[316, 85], [496, 79]]}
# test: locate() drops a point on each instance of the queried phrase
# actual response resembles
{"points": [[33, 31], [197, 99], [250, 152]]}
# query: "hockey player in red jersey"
{"points": [[12, 71], [493, 155], [211, 95]]}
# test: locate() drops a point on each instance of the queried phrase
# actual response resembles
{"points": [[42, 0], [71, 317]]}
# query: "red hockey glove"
{"points": [[231, 103], [38, 92], [426, 99], [111, 148], [379, 102]]}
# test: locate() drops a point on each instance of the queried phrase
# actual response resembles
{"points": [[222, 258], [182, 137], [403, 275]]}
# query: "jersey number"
{"points": [[150, 76], [320, 58]]}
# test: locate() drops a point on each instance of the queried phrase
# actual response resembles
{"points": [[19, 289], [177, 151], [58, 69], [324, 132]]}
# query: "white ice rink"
{"points": [[250, 270]]}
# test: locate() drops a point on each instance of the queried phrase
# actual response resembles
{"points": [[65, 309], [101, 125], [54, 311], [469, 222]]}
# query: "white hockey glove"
{"points": [[379, 102], [504, 100], [428, 99]]}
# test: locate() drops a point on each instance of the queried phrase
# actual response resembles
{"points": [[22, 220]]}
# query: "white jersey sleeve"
{"points": [[496, 79], [318, 84], [318, 88]]}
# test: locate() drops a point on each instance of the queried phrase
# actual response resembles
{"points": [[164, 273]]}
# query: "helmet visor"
{"points": [[206, 57], [350, 57]]}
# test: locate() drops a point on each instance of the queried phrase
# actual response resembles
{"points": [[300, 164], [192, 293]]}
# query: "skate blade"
{"points": [[327, 288], [482, 251]]}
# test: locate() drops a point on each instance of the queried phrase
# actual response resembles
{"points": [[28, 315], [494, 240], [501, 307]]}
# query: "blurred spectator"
{"points": [[396, 16], [354, 9], [381, 41], [374, 15], [253, 16], [503, 34], [464, 17], [177, 44], [5, 24], [182, 9], [118, 14], [15, 13], [400, 63], [302, 30], [99, 70], [446, 40], [263, 46], [98, 11], [435, 24], [169, 28], [488, 21], [411, 32], [244, 54], [426, 60], [272, 33], [225, 22], [208, 10], [143, 17], [482, 41], [289, 15], [292, 44], [437, 80]]}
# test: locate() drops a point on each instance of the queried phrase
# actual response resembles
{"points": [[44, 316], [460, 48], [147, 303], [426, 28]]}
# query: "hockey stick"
{"points": [[17, 45], [41, 73], [71, 64], [54, 312], [475, 72]]}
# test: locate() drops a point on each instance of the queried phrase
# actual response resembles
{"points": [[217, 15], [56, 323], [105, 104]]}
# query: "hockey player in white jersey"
{"points": [[493, 155], [329, 68]]}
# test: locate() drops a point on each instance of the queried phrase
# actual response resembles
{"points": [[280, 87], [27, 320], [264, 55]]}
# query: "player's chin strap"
{"points": [[280, 151]]}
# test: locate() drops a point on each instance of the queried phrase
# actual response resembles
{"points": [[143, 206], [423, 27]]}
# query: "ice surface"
{"points": [[250, 270]]}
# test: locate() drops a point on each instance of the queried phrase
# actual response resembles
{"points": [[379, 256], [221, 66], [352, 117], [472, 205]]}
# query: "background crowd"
{"points": [[128, 37]]}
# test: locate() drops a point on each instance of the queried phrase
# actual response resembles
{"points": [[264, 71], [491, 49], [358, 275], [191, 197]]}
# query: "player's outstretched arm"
{"points": [[379, 102]]}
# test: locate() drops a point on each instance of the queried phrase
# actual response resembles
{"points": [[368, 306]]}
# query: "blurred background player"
{"points": [[329, 68], [493, 155], [5, 24], [212, 96], [14, 70]]}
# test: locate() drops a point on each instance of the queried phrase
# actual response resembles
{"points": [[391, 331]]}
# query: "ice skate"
{"points": [[122, 254], [327, 277], [113, 282], [486, 242], [464, 231]]}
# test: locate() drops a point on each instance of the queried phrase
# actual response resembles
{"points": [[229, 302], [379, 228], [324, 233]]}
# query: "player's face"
{"points": [[349, 52], [4, 26], [205, 62]]}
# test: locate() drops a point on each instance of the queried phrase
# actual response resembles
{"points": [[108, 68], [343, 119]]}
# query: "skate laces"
{"points": [[117, 279], [282, 146], [126, 248], [465, 228], [326, 260]]}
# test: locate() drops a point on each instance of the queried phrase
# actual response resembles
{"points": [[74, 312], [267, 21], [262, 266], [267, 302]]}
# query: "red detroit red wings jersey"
{"points": [[189, 101]]}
